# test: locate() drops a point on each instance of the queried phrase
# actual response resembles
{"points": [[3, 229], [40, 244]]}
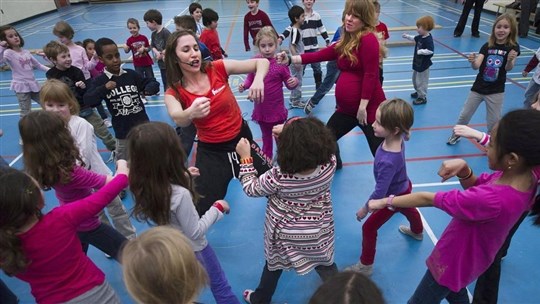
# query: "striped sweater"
{"points": [[310, 28], [299, 220]]}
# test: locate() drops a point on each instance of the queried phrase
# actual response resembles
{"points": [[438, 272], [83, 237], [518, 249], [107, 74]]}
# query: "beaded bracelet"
{"points": [[246, 161]]}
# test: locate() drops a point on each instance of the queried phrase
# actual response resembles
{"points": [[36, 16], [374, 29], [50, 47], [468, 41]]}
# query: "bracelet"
{"points": [[246, 161], [389, 203], [290, 59], [219, 206], [484, 140], [466, 177]]}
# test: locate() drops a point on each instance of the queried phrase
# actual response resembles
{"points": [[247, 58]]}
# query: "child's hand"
{"points": [[159, 55], [471, 57], [276, 130], [224, 205], [3, 43], [122, 167], [241, 88], [524, 73], [279, 40], [376, 204], [536, 106], [281, 58], [512, 55], [80, 84], [126, 48], [110, 85], [361, 213], [194, 171], [225, 55], [467, 132], [292, 82], [452, 167], [141, 50], [200, 107], [243, 148], [297, 67]]}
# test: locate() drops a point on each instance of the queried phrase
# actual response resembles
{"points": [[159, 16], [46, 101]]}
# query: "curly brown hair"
{"points": [[304, 144]]}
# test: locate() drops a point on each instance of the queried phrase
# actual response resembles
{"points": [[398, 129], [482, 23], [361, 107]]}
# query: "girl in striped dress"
{"points": [[299, 221]]}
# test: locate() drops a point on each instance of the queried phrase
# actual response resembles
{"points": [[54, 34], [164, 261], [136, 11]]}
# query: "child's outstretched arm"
{"points": [[530, 66], [254, 186], [417, 199], [512, 55], [458, 168], [407, 36], [468, 132], [475, 60]]}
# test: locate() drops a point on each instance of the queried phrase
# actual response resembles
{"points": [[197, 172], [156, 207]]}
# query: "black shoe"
{"points": [[476, 35], [414, 95], [514, 5], [457, 35], [453, 139], [523, 35], [420, 101]]}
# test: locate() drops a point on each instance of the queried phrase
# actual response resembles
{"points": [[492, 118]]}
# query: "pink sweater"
{"points": [[60, 271], [22, 66], [80, 59], [482, 217], [356, 81]]}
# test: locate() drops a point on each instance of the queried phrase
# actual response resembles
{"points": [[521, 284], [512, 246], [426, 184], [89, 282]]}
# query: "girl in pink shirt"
{"points": [[272, 111], [22, 65], [79, 59], [43, 249], [53, 159], [483, 214]]}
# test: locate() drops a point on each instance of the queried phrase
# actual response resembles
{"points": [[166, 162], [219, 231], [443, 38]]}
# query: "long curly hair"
{"points": [[49, 151]]}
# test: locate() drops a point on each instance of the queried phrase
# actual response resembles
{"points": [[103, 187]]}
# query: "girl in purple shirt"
{"points": [[483, 214], [393, 121], [272, 111]]}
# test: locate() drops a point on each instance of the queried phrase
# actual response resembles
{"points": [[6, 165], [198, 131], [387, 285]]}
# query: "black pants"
{"points": [[219, 163], [6, 295], [478, 5], [486, 290], [341, 124], [527, 7], [269, 280], [187, 137], [105, 238]]}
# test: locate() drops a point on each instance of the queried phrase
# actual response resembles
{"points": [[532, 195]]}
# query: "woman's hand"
{"points": [[361, 115], [194, 171], [276, 130], [243, 148], [256, 91], [199, 108], [535, 106], [452, 167], [282, 58]]}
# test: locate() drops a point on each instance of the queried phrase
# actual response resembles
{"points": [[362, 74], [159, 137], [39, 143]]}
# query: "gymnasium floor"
{"points": [[237, 239]]}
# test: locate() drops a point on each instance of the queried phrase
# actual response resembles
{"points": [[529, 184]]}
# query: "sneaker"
{"points": [[308, 108], [407, 231], [122, 194], [420, 101], [112, 157], [107, 256], [361, 268], [453, 139], [298, 104], [107, 122], [247, 295], [144, 101], [414, 95]]}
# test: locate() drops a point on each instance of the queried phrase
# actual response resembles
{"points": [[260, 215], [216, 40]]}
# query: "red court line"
{"points": [[415, 159]]}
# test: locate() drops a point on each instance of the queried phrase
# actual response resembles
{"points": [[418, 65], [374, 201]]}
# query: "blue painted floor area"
{"points": [[237, 239]]}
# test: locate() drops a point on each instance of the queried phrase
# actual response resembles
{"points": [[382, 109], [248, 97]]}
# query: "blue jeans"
{"points": [[430, 292], [221, 290], [104, 238], [531, 90], [332, 74]]}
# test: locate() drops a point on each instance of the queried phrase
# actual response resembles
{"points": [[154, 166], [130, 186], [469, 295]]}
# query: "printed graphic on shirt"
{"points": [[125, 100], [135, 46], [216, 91], [25, 62], [493, 64]]}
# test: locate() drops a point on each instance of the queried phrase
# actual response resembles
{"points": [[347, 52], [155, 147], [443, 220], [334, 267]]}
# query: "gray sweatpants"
{"points": [[420, 82], [494, 104]]}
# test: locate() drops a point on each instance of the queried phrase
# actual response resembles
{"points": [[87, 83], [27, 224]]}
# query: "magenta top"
{"points": [[60, 271], [82, 184], [482, 217]]}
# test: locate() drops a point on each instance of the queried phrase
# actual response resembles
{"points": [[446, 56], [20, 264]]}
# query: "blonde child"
{"points": [[423, 51], [57, 97], [393, 121], [65, 34], [22, 65], [483, 213], [495, 59], [155, 262], [299, 221], [272, 111], [43, 249], [165, 194], [52, 158]]}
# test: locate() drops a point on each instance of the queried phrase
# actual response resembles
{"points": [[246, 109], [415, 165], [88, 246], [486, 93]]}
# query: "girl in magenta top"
{"points": [[43, 249], [483, 213], [358, 89], [53, 159], [272, 111]]}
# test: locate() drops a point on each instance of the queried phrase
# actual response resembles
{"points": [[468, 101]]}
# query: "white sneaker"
{"points": [[366, 270], [407, 231], [112, 157], [107, 122], [144, 101]]}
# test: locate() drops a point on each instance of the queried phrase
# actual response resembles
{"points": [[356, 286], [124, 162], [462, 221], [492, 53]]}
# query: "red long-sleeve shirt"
{"points": [[252, 25]]}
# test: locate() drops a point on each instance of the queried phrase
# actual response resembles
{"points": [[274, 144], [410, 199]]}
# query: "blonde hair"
{"points": [[160, 266], [266, 32], [349, 42], [56, 90], [512, 37], [396, 113]]}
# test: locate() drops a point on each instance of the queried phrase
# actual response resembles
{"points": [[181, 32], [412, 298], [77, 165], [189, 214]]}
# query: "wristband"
{"points": [[219, 206], [484, 140], [290, 59], [246, 161], [389, 203], [466, 177]]}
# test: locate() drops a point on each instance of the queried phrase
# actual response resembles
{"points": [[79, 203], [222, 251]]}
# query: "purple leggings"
{"points": [[267, 137], [221, 290]]}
